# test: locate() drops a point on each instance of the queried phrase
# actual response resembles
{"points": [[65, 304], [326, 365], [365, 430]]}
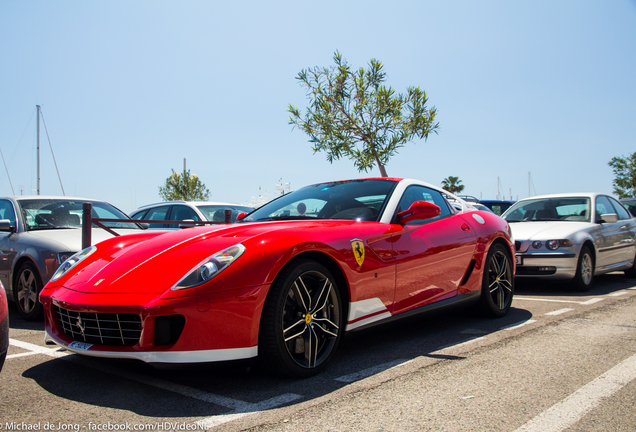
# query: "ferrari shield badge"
{"points": [[358, 250]]}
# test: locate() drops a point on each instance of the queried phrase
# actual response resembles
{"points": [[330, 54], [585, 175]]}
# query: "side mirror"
{"points": [[241, 216], [5, 226], [419, 210], [609, 218]]}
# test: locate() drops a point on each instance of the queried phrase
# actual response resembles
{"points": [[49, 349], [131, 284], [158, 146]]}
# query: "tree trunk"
{"points": [[377, 160]]}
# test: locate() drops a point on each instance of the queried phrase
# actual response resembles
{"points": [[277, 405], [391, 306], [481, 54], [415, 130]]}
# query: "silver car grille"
{"points": [[112, 329]]}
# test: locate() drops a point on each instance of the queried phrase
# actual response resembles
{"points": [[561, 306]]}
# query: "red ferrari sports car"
{"points": [[286, 281]]}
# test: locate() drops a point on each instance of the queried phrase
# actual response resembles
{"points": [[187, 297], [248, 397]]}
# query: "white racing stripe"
{"points": [[570, 410]]}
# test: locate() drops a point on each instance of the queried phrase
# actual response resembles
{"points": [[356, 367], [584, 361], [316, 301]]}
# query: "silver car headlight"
{"points": [[72, 262], [555, 244], [210, 267]]}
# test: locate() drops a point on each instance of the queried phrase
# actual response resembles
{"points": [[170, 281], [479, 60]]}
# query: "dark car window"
{"points": [[52, 213], [349, 200], [603, 206], [181, 213], [421, 193], [620, 210], [139, 215], [7, 211], [550, 209], [157, 213], [630, 204]]}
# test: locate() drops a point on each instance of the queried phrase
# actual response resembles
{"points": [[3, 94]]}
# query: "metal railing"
{"points": [[88, 220]]}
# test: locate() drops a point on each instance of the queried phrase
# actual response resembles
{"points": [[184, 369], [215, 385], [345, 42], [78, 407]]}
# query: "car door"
{"points": [[432, 255], [7, 251], [627, 228], [609, 236]]}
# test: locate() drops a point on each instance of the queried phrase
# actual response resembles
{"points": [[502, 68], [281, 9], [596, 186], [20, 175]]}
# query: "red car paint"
{"points": [[405, 267]]}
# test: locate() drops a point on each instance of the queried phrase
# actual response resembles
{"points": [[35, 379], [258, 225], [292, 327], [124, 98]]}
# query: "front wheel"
{"points": [[26, 289], [584, 271], [302, 321], [497, 288]]}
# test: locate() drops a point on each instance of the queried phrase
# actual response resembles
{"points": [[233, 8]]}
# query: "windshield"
{"points": [[216, 213], [46, 214], [349, 200], [550, 209]]}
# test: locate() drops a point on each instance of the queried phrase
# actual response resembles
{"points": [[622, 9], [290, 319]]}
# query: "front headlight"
{"points": [[210, 267], [555, 244], [72, 262]]}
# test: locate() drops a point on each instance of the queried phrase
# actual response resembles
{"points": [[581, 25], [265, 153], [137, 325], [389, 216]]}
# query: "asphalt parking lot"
{"points": [[447, 372]]}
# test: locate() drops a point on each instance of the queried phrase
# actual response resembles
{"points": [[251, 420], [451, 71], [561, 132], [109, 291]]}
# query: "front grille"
{"points": [[112, 329]]}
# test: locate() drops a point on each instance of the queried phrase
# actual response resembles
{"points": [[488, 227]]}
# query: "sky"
{"points": [[532, 97]]}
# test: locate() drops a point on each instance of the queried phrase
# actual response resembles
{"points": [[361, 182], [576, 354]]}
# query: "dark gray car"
{"points": [[37, 234]]}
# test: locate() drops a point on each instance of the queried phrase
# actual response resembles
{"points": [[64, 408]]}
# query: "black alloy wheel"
{"points": [[26, 290], [497, 284], [302, 321]]}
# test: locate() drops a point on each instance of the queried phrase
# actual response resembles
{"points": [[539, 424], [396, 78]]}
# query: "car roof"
{"points": [[190, 203], [566, 195], [36, 197]]}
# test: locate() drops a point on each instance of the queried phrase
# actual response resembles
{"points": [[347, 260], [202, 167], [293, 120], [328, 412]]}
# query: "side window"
{"points": [[603, 206], [181, 213], [620, 210], [421, 193], [7, 212], [157, 213], [139, 215]]}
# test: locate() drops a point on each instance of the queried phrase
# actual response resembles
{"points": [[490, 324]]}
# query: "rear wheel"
{"points": [[302, 321], [26, 289], [584, 271], [497, 287]]}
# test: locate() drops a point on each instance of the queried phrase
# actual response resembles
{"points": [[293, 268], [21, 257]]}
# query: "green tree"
{"points": [[453, 185], [353, 114], [185, 186], [624, 175]]}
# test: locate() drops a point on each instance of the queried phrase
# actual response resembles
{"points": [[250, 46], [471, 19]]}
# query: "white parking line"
{"points": [[560, 311], [240, 408], [588, 302], [35, 349], [519, 324], [356, 376], [616, 294], [570, 410], [592, 301]]}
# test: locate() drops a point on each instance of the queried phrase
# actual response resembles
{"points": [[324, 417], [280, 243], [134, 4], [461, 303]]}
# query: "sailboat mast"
{"points": [[38, 149]]}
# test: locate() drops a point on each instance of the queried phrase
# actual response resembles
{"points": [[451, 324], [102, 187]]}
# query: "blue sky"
{"points": [[129, 89]]}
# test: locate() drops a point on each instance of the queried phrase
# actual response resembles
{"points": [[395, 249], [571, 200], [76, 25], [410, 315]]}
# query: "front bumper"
{"points": [[218, 327], [552, 266]]}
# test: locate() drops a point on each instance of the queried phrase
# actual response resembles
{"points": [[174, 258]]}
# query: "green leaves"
{"points": [[624, 175], [452, 184], [353, 114], [184, 187]]}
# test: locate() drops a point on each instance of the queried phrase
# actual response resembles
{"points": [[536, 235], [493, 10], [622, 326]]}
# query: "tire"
{"points": [[302, 321], [26, 289], [498, 286], [584, 277]]}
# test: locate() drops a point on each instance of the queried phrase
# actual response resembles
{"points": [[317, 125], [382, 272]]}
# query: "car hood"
{"points": [[71, 238], [153, 263], [545, 230]]}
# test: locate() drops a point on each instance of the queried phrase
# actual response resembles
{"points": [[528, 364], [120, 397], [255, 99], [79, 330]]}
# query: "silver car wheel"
{"points": [[27, 291], [586, 269]]}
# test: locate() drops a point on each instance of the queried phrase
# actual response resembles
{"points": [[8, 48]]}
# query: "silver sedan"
{"points": [[37, 234], [572, 237]]}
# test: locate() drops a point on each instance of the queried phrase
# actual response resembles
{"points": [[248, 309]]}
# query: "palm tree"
{"points": [[453, 184]]}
